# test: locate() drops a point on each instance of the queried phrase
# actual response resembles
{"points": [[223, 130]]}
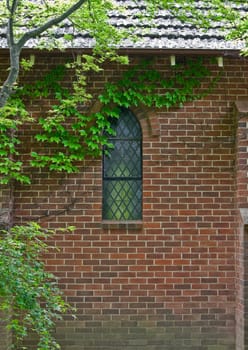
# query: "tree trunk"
{"points": [[11, 80]]}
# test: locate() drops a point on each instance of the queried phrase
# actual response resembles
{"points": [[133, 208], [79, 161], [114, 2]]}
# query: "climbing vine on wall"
{"points": [[71, 133], [145, 85]]}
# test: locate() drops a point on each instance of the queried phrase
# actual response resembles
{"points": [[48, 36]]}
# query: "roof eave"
{"points": [[142, 51]]}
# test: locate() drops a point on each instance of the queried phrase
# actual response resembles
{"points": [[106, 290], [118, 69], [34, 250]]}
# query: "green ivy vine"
{"points": [[72, 134], [143, 84]]}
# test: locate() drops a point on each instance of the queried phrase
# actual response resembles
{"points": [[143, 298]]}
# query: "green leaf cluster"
{"points": [[145, 85], [73, 134], [13, 115], [29, 293]]}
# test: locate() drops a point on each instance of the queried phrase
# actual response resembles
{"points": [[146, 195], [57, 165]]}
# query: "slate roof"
{"points": [[166, 33]]}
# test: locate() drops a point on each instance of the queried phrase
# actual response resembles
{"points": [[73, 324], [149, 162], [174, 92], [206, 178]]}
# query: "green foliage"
{"points": [[145, 85], [28, 292], [72, 135], [25, 20], [229, 16], [27, 64], [29, 16], [10, 168], [12, 117], [75, 134], [139, 85]]}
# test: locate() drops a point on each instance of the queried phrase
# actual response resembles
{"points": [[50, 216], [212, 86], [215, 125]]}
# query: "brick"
{"points": [[169, 281]]}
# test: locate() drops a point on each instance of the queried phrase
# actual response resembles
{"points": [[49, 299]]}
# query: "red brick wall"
{"points": [[170, 282], [242, 237]]}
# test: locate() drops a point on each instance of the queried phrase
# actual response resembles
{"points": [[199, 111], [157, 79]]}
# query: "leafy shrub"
{"points": [[29, 293]]}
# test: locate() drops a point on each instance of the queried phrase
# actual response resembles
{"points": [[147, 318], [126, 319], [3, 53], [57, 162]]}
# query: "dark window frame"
{"points": [[129, 207]]}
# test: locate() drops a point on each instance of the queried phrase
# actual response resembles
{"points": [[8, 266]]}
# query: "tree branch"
{"points": [[10, 32], [8, 5], [52, 22], [15, 48]]}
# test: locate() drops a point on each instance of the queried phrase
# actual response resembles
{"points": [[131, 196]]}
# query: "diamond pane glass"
{"points": [[122, 170], [124, 159], [126, 126], [122, 200]]}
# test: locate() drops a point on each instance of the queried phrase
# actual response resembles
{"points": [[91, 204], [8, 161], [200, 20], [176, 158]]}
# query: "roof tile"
{"points": [[167, 32]]}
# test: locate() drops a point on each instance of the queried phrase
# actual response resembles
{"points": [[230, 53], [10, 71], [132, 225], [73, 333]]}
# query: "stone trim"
{"points": [[122, 225], [244, 215], [241, 109], [147, 117], [4, 218]]}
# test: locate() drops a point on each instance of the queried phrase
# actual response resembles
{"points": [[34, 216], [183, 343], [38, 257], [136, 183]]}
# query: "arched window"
{"points": [[122, 170]]}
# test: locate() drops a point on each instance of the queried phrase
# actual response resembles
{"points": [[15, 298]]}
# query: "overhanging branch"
{"points": [[50, 23]]}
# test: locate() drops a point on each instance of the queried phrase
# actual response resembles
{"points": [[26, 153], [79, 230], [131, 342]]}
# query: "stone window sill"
{"points": [[122, 225]]}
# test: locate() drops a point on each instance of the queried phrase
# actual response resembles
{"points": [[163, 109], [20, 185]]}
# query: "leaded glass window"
{"points": [[122, 170]]}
